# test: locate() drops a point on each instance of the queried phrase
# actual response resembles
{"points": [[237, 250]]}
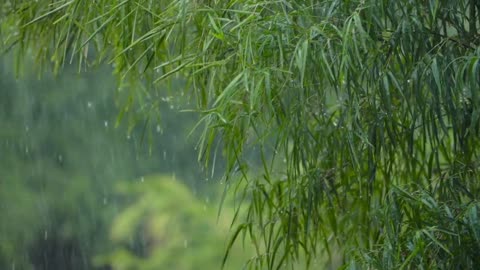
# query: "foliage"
{"points": [[421, 232], [55, 184], [340, 100], [61, 156], [166, 227]]}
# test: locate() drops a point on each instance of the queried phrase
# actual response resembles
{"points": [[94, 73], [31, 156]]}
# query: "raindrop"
{"points": [[164, 155], [171, 107], [60, 158], [166, 99], [142, 179], [26, 149], [27, 128], [128, 137], [89, 104], [105, 200], [408, 81], [105, 123], [158, 129], [45, 235]]}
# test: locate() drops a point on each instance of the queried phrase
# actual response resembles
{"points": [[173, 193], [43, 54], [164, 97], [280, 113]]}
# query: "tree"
{"points": [[170, 228], [364, 115]]}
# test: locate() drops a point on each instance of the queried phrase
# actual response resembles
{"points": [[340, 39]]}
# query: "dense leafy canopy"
{"points": [[363, 115]]}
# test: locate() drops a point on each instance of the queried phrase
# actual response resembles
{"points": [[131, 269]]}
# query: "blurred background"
{"points": [[92, 177]]}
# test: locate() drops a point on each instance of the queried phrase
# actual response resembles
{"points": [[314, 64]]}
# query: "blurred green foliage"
{"points": [[62, 157], [167, 227], [58, 163]]}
